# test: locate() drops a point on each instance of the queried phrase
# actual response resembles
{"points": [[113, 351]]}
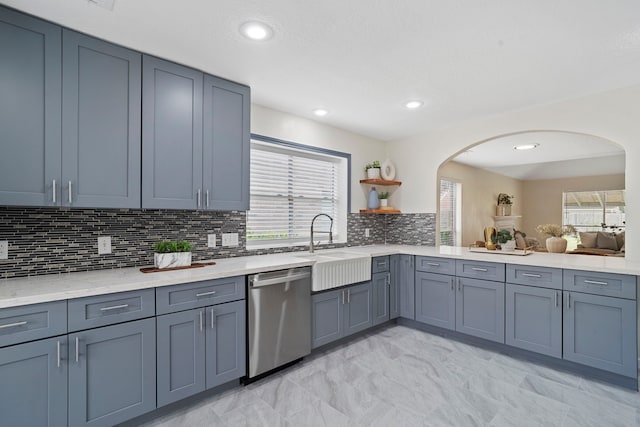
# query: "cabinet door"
{"points": [[226, 145], [435, 300], [226, 354], [326, 317], [534, 319], [112, 373], [30, 98], [358, 314], [480, 308], [394, 287], [380, 289], [171, 135], [100, 123], [33, 386], [600, 332], [180, 355], [407, 287]]}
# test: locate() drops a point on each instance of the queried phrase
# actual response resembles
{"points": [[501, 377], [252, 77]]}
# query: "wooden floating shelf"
{"points": [[379, 182], [380, 211]]}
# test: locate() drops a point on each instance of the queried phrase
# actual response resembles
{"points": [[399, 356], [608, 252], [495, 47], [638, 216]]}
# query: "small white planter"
{"points": [[373, 173], [383, 203], [510, 246], [172, 259]]}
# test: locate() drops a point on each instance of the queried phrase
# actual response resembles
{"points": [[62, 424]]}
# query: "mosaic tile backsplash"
{"points": [[59, 240]]}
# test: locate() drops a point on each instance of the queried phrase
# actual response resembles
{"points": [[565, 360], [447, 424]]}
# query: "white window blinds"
{"points": [[450, 217], [288, 188]]}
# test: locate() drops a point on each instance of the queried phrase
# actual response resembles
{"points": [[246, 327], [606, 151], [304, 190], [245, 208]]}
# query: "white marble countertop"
{"points": [[37, 289]]}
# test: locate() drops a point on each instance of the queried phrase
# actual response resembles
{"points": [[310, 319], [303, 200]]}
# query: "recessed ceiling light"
{"points": [[412, 105], [526, 147], [320, 112], [255, 30]]}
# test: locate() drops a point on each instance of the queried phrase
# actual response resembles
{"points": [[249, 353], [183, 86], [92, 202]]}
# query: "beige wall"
{"points": [[480, 189], [543, 198]]}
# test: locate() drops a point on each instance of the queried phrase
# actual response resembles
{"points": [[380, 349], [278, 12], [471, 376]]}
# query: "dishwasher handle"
{"points": [[256, 282]]}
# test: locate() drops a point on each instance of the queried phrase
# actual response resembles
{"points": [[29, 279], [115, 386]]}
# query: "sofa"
{"points": [[601, 243]]}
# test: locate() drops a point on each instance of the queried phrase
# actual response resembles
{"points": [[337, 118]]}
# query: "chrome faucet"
{"points": [[330, 232]]}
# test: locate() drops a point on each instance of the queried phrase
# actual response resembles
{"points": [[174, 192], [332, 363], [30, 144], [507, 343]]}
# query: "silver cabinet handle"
{"points": [[198, 198], [77, 349], [555, 298], [435, 264], [13, 325], [54, 191], [537, 276], [389, 279], [213, 323], [343, 297], [206, 197], [114, 307], [411, 261], [484, 270], [568, 300], [348, 296], [451, 280], [596, 282], [459, 286], [70, 198], [204, 294], [201, 321], [58, 353]]}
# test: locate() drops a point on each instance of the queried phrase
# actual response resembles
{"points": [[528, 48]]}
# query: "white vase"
{"points": [[510, 246], [383, 203], [172, 259], [556, 245], [373, 173], [503, 210]]}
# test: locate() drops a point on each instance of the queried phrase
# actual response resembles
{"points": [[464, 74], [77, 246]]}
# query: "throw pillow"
{"points": [[607, 241], [588, 239], [620, 240]]}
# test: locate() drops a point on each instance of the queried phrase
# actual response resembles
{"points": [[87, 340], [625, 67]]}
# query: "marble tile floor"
{"points": [[402, 377]]}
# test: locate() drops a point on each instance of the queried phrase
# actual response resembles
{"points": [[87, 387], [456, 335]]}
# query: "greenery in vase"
{"points": [[503, 236], [383, 195], [166, 246], [373, 165], [555, 230], [505, 199]]}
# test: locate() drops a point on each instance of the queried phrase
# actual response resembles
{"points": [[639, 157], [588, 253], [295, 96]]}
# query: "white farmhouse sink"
{"points": [[334, 269]]}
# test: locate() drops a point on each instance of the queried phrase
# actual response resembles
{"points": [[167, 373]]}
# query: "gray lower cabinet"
{"points": [[601, 332], [30, 113], [406, 282], [380, 289], [480, 308], [339, 313], [435, 299], [112, 373], [394, 287], [199, 349], [533, 319], [100, 123], [37, 375]]}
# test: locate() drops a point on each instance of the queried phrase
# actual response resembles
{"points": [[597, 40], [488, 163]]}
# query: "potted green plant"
{"points": [[373, 170], [504, 204], [383, 196], [554, 233], [170, 254], [506, 240]]}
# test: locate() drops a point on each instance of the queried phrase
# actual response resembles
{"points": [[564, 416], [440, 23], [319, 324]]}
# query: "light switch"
{"points": [[4, 249], [211, 240], [229, 239]]}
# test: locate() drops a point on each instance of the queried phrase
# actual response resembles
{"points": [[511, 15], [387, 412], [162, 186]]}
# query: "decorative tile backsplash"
{"points": [[60, 240]]}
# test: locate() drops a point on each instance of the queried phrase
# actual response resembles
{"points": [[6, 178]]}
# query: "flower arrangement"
{"points": [[555, 230], [505, 199]]}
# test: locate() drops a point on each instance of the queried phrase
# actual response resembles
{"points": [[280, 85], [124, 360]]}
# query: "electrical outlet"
{"points": [[229, 239], [104, 245], [4, 249], [367, 232], [211, 240]]}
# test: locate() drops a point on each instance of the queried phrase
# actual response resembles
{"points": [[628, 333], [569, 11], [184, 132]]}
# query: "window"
{"points": [[290, 184], [594, 210], [450, 213]]}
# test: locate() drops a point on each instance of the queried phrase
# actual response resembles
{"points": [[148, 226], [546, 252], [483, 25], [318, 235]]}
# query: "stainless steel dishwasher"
{"points": [[279, 318]]}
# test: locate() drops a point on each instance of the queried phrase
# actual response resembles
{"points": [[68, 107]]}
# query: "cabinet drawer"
{"points": [[543, 277], [379, 264], [435, 265], [607, 284], [480, 270], [199, 294], [103, 310], [32, 322]]}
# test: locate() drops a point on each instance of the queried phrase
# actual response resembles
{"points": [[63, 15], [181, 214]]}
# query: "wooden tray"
{"points": [[156, 270], [517, 252]]}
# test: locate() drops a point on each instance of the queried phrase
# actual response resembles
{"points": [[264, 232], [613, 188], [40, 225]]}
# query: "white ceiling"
{"points": [[361, 59]]}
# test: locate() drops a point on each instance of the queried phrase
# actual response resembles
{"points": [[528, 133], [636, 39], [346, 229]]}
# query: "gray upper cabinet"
{"points": [[480, 308], [100, 123], [171, 135], [226, 145], [30, 117], [112, 373], [380, 288], [33, 385], [436, 300]]}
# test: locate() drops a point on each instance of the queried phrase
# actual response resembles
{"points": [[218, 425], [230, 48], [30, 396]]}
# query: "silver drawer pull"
{"points": [[70, 195], [77, 349], [58, 354], [114, 307], [484, 270], [596, 282], [537, 276], [204, 294], [54, 191], [13, 325], [435, 264]]}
